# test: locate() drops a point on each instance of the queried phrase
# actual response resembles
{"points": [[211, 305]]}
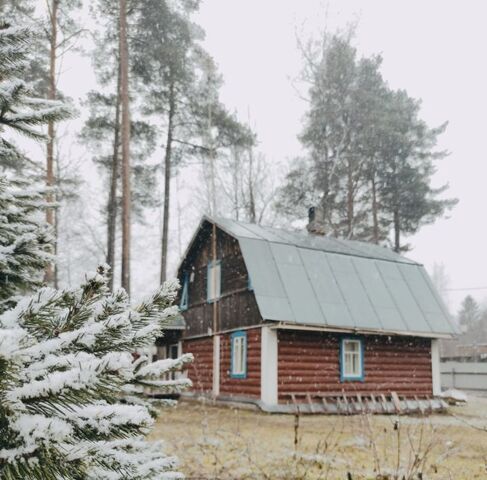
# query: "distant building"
{"points": [[282, 319], [463, 352]]}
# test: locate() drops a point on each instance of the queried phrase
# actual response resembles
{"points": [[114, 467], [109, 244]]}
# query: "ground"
{"points": [[233, 443]]}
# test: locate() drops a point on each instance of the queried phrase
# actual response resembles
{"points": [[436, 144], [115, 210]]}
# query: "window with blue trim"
{"points": [[352, 359], [238, 368], [184, 294], [213, 281]]}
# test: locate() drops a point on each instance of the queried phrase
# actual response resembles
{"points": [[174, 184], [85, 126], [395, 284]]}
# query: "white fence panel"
{"points": [[464, 375]]}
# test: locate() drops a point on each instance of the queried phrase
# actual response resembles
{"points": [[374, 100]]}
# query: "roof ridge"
{"points": [[389, 255]]}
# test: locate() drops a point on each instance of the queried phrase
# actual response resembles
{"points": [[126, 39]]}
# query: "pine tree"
{"points": [[406, 167], [20, 112], [370, 157], [179, 84], [71, 390], [25, 240], [102, 130], [469, 314], [55, 32]]}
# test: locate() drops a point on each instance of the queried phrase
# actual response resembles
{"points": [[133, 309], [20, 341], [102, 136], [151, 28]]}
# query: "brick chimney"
{"points": [[316, 221]]}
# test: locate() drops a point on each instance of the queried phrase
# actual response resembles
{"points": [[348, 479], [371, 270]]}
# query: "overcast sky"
{"points": [[433, 49]]}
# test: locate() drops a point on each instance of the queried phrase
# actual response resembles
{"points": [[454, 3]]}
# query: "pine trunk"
{"points": [[112, 199], [252, 209], [125, 133], [350, 212], [167, 184], [50, 177], [325, 201], [397, 232], [375, 219]]}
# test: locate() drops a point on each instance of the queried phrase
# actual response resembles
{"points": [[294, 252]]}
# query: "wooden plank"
{"points": [[368, 405], [375, 406], [420, 406], [408, 408], [326, 405], [396, 402], [310, 403], [360, 404], [384, 403]]}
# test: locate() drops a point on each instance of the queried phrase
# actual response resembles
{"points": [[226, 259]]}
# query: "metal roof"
{"points": [[311, 280]]}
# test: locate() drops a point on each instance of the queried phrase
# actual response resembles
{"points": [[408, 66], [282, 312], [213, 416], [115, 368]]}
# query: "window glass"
{"points": [[239, 354], [214, 280], [184, 293], [352, 359]]}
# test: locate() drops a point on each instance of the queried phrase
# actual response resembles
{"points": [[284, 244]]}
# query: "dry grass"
{"points": [[227, 443]]}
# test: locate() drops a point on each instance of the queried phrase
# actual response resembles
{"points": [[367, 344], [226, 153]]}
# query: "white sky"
{"points": [[434, 49]]}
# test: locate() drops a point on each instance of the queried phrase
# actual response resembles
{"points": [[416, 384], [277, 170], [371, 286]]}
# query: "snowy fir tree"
{"points": [[72, 402], [20, 112], [25, 240]]}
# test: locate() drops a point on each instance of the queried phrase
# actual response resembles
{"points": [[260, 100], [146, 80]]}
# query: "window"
{"points": [[184, 294], [213, 285], [352, 359], [239, 355]]}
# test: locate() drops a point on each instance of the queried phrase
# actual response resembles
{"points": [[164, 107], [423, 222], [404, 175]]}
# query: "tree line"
{"points": [[157, 87], [472, 325], [368, 163]]}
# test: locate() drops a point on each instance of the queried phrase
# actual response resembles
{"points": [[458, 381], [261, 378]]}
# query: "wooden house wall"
{"points": [[237, 306], [249, 386], [201, 370], [309, 362]]}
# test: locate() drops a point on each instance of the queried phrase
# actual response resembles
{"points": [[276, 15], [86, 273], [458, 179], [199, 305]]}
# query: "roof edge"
{"points": [[355, 330]]}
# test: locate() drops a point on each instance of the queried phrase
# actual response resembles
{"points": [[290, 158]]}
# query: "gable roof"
{"points": [[305, 279]]}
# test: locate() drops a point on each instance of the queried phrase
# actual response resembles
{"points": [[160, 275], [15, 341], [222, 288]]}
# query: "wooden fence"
{"points": [[464, 375]]}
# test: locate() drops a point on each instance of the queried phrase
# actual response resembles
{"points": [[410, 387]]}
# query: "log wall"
{"points": [[201, 370], [309, 362], [249, 386]]}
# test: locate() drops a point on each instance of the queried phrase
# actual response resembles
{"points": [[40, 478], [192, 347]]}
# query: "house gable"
{"points": [[236, 306]]}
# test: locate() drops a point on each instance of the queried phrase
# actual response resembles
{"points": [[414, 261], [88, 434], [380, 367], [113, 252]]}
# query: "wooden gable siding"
{"points": [[250, 385], [237, 306], [309, 362], [201, 370]]}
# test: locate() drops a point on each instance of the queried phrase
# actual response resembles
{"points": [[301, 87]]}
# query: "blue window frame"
{"points": [[352, 359], [238, 355], [213, 281], [184, 294]]}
